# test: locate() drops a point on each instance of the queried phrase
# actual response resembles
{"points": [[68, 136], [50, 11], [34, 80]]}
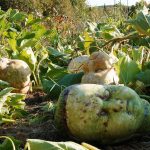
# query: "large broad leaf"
{"points": [[35, 144], [138, 54], [15, 15], [127, 70], [54, 87], [108, 32], [141, 23], [55, 52]]}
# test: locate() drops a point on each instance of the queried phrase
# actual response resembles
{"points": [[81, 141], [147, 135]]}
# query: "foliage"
{"points": [[142, 23], [48, 37], [11, 104], [54, 85], [48, 51], [69, 8], [127, 70], [9, 143], [21, 37], [36, 144]]}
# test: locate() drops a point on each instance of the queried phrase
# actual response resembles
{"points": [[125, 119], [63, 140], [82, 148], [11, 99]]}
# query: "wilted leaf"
{"points": [[35, 144]]}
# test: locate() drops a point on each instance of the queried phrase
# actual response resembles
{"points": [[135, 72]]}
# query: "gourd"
{"points": [[101, 113], [76, 64], [16, 72], [99, 69], [107, 76]]}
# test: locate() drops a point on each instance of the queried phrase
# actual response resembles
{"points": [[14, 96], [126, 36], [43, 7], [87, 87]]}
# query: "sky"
{"points": [[111, 2]]}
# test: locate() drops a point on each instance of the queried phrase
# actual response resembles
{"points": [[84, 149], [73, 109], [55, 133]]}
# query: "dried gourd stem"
{"points": [[119, 39]]}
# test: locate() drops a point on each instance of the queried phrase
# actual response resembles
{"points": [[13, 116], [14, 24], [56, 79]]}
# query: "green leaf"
{"points": [[127, 70], [35, 144], [51, 87], [15, 15], [106, 35], [33, 22], [4, 84], [28, 43], [54, 87], [56, 72], [16, 100], [110, 31], [144, 76], [9, 143], [71, 79], [5, 91], [11, 104], [28, 56], [55, 52], [26, 36], [141, 23], [3, 98], [29, 35], [138, 55]]}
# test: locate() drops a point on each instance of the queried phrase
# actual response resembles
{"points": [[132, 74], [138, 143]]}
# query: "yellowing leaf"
{"points": [[35, 144], [88, 40], [13, 44]]}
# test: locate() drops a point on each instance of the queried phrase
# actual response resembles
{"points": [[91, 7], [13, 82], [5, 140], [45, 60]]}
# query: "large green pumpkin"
{"points": [[103, 113]]}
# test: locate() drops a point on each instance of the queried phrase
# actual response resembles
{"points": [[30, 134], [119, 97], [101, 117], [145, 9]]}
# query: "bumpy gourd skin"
{"points": [[98, 61], [16, 72], [76, 64], [107, 76], [106, 114], [145, 127], [98, 69]]}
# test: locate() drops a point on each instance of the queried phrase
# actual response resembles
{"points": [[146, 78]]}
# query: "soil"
{"points": [[38, 123]]}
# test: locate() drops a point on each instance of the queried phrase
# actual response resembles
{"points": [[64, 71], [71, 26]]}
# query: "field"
{"points": [[44, 58]]}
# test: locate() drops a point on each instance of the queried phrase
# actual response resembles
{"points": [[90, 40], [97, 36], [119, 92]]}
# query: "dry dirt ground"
{"points": [[39, 124]]}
